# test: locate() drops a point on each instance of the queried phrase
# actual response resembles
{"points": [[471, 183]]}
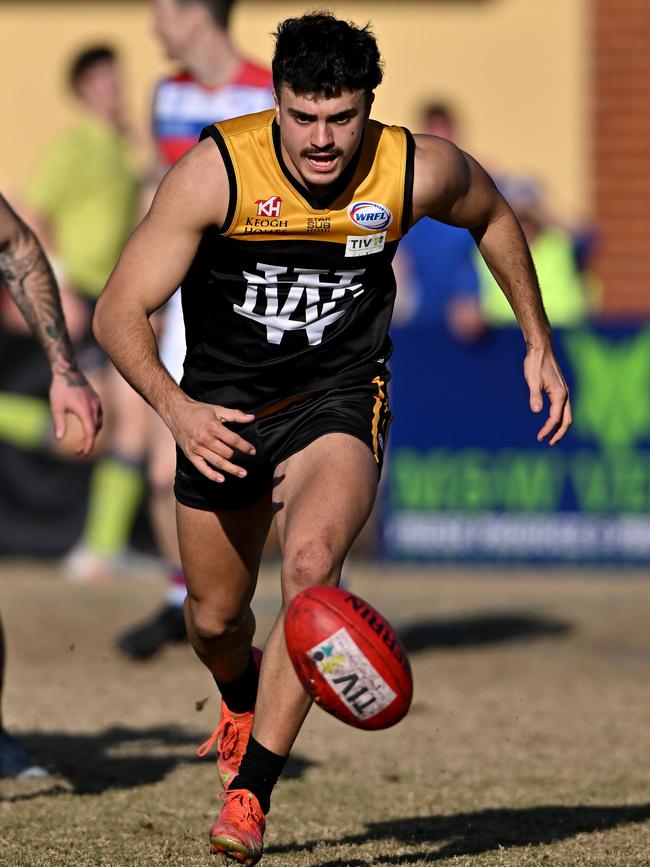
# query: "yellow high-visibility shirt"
{"points": [[87, 188], [563, 290]]}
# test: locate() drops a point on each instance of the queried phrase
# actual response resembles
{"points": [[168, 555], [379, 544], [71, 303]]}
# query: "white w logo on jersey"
{"points": [[318, 314]]}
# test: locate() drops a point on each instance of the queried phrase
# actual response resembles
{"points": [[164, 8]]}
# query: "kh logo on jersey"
{"points": [[370, 216], [270, 207], [307, 299]]}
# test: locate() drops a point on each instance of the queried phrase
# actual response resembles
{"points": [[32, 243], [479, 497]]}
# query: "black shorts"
{"points": [[361, 411]]}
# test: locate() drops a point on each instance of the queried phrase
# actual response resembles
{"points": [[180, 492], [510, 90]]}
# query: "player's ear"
{"points": [[276, 101], [370, 98]]}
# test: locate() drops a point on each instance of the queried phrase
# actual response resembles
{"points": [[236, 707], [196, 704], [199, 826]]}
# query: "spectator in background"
{"points": [[437, 280], [553, 251], [26, 274], [214, 83], [439, 118], [83, 201]]}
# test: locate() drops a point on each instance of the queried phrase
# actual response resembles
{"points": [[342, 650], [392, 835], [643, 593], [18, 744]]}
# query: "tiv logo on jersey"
{"points": [[370, 216], [316, 297], [364, 245], [270, 207]]}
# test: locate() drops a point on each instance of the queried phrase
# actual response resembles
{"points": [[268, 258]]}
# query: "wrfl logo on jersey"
{"points": [[370, 216]]}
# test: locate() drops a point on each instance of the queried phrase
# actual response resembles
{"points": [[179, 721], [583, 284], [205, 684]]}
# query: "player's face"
{"points": [[320, 136], [175, 25]]}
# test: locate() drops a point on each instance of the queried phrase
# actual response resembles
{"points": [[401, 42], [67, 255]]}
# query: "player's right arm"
{"points": [[193, 196]]}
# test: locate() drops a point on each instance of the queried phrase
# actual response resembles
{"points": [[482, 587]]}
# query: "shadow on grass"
{"points": [[480, 630], [118, 758], [475, 833]]}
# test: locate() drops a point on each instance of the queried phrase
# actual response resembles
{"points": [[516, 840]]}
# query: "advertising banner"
{"points": [[466, 477]]}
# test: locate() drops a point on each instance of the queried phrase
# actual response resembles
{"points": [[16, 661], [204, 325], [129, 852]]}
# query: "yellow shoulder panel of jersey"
{"points": [[269, 205]]}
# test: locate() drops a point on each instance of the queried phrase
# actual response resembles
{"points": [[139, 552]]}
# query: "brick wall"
{"points": [[621, 151]]}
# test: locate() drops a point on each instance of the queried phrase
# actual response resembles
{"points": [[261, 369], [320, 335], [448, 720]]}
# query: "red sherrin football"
{"points": [[348, 657]]}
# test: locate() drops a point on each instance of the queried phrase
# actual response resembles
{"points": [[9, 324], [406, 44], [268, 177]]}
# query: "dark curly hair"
{"points": [[320, 54]]}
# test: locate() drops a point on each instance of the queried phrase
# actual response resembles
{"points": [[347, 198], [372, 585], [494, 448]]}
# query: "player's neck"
{"points": [[213, 59]]}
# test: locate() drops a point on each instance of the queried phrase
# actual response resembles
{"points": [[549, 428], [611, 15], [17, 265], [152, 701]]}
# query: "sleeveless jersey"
{"points": [[182, 106], [293, 295]]}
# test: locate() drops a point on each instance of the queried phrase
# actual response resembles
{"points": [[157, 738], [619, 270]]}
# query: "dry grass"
{"points": [[528, 742]]}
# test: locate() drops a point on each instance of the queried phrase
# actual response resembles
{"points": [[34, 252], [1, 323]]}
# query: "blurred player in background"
{"points": [[215, 83], [282, 226], [83, 202], [553, 251], [435, 269], [25, 272]]}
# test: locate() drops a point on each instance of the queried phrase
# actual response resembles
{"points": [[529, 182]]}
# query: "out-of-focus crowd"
{"points": [[443, 280]]}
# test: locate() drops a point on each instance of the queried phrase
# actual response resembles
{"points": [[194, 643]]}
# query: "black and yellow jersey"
{"points": [[294, 295]]}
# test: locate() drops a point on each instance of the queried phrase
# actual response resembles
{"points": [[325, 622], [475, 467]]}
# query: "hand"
{"points": [[543, 375], [200, 431], [70, 392]]}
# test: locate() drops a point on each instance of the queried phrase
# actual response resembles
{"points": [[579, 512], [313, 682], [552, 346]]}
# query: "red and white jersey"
{"points": [[182, 106]]}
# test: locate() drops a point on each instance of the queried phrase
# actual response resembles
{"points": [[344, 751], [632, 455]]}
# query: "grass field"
{"points": [[528, 742]]}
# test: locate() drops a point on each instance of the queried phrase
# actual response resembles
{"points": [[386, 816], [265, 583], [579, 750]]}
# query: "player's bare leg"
{"points": [[221, 553], [324, 498]]}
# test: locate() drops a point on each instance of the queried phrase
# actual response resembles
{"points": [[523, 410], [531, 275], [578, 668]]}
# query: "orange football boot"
{"points": [[238, 831], [231, 736]]}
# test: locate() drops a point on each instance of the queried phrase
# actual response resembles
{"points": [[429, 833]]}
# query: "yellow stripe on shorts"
{"points": [[380, 397]]}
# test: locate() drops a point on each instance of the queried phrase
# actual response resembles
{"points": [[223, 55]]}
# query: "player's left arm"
{"points": [[25, 271], [450, 186]]}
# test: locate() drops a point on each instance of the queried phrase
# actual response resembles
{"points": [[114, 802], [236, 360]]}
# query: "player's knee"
{"points": [[219, 628], [311, 564]]}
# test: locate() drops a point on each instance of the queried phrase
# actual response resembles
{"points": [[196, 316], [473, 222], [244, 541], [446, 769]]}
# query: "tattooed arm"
{"points": [[28, 276]]}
